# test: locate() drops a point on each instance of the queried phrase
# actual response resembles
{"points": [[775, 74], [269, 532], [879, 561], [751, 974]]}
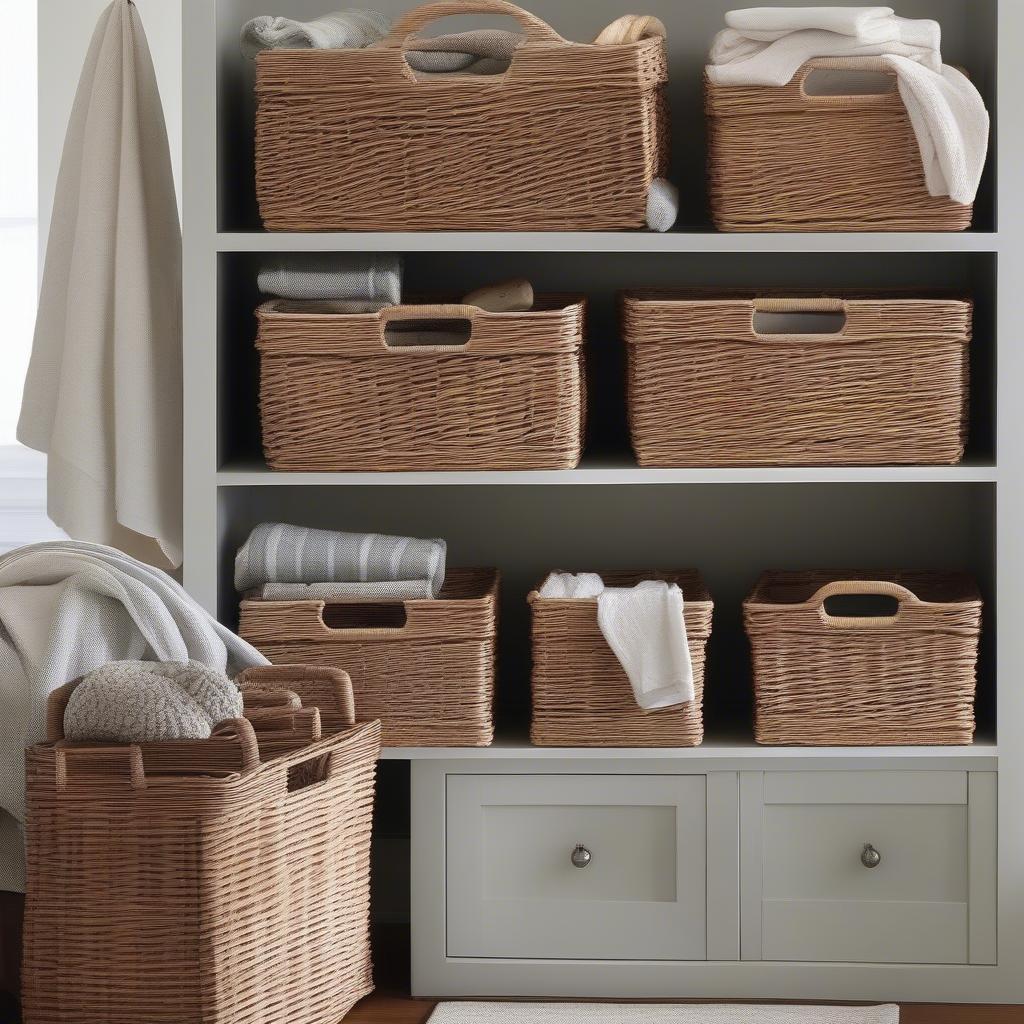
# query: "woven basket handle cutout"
{"points": [[426, 315], [873, 588], [537, 31], [847, 66], [783, 306], [318, 685], [133, 754]]}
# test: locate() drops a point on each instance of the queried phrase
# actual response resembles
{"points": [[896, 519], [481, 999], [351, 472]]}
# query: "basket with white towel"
{"points": [[618, 659], [786, 154]]}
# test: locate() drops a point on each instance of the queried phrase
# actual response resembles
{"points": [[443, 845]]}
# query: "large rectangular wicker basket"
{"points": [[781, 159], [706, 389], [426, 668], [581, 695], [824, 677], [223, 890], [337, 395], [568, 139]]}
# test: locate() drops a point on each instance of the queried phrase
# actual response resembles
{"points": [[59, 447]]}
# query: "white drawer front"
{"points": [[819, 902], [513, 891]]}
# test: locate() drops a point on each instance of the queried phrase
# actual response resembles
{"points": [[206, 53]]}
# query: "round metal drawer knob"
{"points": [[581, 857], [870, 857]]}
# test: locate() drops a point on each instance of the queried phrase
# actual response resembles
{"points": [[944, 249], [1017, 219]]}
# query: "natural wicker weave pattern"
{"points": [[431, 681], [706, 390], [782, 160], [228, 897], [821, 679], [335, 397], [581, 695], [569, 138]]}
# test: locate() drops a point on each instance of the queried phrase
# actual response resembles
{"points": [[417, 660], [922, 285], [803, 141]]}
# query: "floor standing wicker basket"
{"points": [[581, 695], [362, 392], [426, 668], [569, 138], [706, 389], [822, 677], [782, 159], [223, 886]]}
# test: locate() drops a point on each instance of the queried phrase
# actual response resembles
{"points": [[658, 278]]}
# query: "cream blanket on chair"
{"points": [[103, 396], [66, 609]]}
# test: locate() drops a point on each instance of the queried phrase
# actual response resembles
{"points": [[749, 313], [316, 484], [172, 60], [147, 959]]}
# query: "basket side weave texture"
{"points": [[569, 139], [705, 389], [908, 679], [781, 160], [227, 898], [581, 695]]}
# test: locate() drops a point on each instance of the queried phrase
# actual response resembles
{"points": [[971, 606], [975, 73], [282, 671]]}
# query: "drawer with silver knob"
{"points": [[576, 867], [869, 867]]}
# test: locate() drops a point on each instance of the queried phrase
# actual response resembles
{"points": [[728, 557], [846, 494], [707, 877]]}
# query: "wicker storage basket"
{"points": [[568, 139], [231, 890], [334, 396], [828, 679], [581, 695], [780, 159], [705, 389], [425, 668]]}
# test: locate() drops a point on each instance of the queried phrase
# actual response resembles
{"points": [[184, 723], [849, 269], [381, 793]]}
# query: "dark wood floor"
{"points": [[391, 1004], [384, 1008]]}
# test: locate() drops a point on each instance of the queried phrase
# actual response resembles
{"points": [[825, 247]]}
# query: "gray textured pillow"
{"points": [[142, 701]]}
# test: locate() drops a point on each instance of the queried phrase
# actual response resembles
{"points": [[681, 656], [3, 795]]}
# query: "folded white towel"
{"points": [[868, 23], [343, 30], [644, 627], [768, 45]]}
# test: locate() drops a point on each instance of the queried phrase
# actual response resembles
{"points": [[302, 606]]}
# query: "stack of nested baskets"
{"points": [[569, 138], [783, 159], [375, 392], [424, 667], [903, 676], [581, 695], [224, 880], [708, 386]]}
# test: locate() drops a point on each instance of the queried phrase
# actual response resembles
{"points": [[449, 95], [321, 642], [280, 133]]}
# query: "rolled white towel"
{"points": [[343, 30], [662, 205], [366, 282]]}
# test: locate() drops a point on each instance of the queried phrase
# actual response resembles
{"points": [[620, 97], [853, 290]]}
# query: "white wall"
{"points": [[65, 29]]}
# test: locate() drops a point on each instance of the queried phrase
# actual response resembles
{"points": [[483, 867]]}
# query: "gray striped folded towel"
{"points": [[279, 553], [368, 281], [399, 590]]}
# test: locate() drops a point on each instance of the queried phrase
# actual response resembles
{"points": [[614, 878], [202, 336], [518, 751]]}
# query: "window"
{"points": [[22, 472]]}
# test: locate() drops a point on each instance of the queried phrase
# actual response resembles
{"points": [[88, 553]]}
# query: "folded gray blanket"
{"points": [[145, 701], [278, 553], [343, 30], [366, 282], [480, 52], [399, 590]]}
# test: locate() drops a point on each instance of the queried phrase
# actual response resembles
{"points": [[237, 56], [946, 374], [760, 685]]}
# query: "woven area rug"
{"points": [[652, 1013]]}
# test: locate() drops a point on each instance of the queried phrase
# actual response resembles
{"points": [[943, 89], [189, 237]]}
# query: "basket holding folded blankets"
{"points": [[417, 638]]}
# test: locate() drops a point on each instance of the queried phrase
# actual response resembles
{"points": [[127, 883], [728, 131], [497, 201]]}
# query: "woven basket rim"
{"points": [[560, 303], [690, 296], [961, 584], [630, 577], [482, 585]]}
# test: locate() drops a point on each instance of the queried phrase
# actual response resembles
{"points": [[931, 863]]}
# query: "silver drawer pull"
{"points": [[581, 857], [870, 857]]}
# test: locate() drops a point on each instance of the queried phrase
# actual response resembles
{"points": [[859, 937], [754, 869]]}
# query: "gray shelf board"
{"points": [[980, 756], [612, 469], [601, 241]]}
